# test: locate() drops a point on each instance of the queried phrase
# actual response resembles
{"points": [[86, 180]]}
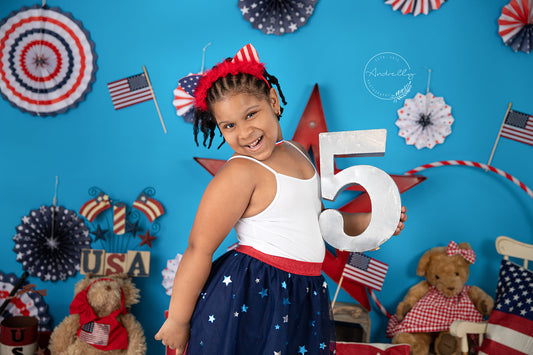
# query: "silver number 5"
{"points": [[381, 188]]}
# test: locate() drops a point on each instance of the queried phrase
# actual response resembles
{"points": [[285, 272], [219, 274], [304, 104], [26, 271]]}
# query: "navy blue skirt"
{"points": [[250, 307]]}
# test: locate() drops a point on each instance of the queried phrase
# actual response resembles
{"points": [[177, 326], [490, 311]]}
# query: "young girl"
{"points": [[268, 296]]}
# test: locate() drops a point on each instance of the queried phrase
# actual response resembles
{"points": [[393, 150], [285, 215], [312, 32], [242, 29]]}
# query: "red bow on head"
{"points": [[245, 61], [454, 249]]}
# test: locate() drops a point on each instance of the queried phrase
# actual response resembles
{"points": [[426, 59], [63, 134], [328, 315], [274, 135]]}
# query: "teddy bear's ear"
{"points": [[131, 292], [464, 245], [83, 283], [426, 258], [423, 263]]}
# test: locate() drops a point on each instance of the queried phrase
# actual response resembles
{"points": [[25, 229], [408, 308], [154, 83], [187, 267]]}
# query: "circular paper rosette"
{"points": [[425, 120], [277, 16], [169, 273], [415, 7], [515, 25], [184, 96], [47, 60], [27, 304], [51, 255]]}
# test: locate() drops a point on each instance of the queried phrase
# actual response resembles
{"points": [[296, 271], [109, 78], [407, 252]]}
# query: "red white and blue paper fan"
{"points": [[47, 60], [51, 255], [277, 16], [169, 272], [425, 120], [184, 96], [27, 304], [516, 25], [415, 7]]}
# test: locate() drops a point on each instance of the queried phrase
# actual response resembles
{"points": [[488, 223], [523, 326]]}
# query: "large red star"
{"points": [[146, 238], [312, 123]]}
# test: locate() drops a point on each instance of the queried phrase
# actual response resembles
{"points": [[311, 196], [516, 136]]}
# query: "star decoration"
{"points": [[133, 228], [147, 238], [284, 284], [311, 124], [263, 292], [322, 346], [212, 319], [277, 326], [227, 280], [99, 233], [244, 308], [302, 350], [286, 301]]}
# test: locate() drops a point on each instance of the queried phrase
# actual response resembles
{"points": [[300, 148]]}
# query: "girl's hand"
{"points": [[174, 335], [403, 218]]}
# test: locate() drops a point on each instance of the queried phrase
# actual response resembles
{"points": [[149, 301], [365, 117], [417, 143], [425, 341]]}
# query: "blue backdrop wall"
{"points": [[122, 152]]}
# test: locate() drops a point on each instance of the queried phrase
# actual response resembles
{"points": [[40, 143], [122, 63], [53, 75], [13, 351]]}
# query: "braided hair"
{"points": [[240, 83]]}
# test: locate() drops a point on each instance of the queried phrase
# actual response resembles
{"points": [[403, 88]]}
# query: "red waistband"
{"points": [[298, 267]]}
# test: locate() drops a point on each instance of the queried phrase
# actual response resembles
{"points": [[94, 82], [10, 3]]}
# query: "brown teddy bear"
{"points": [[424, 316], [99, 320]]}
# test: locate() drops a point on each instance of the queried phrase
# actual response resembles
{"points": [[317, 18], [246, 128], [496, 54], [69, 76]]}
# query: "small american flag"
{"points": [[519, 127], [129, 91], [365, 270], [95, 333]]}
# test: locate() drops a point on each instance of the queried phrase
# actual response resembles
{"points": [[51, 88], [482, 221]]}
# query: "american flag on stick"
{"points": [[365, 270], [133, 90], [519, 127], [129, 91]]}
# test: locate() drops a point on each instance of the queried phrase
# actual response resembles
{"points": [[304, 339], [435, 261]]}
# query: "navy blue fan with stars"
{"points": [[48, 242], [277, 16]]}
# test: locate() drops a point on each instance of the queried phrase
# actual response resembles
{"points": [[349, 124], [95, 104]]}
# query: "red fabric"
{"points": [[285, 264], [435, 312], [468, 254], [241, 63], [372, 349], [103, 333]]}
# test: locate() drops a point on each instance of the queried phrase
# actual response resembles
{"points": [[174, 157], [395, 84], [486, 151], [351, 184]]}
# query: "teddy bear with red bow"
{"points": [[424, 316], [100, 321]]}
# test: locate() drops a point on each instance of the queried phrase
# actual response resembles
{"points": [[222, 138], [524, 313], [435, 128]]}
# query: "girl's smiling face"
{"points": [[248, 123]]}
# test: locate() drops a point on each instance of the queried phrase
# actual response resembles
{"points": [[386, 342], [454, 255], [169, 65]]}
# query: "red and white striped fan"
{"points": [[515, 25], [47, 60], [415, 7]]}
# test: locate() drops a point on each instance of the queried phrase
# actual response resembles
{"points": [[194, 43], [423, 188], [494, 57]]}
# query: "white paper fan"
{"points": [[169, 272]]}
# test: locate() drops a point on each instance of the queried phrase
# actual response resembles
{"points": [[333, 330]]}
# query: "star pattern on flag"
{"points": [[147, 238]]}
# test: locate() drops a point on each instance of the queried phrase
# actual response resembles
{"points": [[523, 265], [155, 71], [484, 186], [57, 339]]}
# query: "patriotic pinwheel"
{"points": [[48, 242], [425, 120], [184, 96], [169, 273], [415, 7], [28, 303], [47, 60], [516, 25], [277, 16]]}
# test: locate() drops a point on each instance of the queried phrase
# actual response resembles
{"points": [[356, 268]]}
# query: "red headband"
{"points": [[245, 61]]}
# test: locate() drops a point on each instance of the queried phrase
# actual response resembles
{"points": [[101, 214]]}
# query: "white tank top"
{"points": [[288, 227]]}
